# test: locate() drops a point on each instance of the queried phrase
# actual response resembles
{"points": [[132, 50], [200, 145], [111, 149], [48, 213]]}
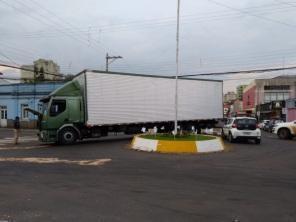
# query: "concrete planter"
{"points": [[168, 146]]}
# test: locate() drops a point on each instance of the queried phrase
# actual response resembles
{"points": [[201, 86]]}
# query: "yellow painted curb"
{"points": [[165, 146]]}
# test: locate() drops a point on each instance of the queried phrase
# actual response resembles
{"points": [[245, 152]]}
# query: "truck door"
{"points": [[58, 113], [75, 105]]}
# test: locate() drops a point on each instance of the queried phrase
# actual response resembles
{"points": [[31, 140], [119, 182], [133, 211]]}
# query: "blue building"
{"points": [[14, 98]]}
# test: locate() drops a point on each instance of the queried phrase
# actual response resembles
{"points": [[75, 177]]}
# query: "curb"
{"points": [[165, 146]]}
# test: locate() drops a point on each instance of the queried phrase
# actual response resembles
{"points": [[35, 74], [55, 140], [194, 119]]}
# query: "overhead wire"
{"points": [[251, 14], [139, 23], [30, 70]]}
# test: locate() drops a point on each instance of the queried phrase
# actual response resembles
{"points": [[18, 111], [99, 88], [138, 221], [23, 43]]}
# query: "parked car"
{"points": [[242, 128], [266, 125], [263, 123], [272, 123], [285, 130]]}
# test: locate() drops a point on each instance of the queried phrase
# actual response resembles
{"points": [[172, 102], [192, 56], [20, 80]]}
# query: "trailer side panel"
{"points": [[124, 99]]}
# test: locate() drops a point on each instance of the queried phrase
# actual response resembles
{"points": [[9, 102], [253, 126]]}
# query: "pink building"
{"points": [[291, 110], [249, 101]]}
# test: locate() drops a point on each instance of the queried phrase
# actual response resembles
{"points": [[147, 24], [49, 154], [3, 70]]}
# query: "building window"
{"points": [[266, 97], [286, 96], [277, 87], [276, 96], [3, 112], [273, 96], [25, 113]]}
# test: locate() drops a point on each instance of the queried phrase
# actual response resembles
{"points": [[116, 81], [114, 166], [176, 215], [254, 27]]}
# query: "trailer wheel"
{"points": [[67, 136], [284, 133]]}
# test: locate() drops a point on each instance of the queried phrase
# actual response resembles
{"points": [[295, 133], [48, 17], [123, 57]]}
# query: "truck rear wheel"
{"points": [[67, 136], [284, 133]]}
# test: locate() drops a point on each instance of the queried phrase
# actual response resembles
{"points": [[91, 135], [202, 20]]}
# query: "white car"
{"points": [[242, 128], [263, 123], [285, 130]]}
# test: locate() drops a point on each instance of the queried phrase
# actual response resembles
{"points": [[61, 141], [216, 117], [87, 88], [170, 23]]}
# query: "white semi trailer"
{"points": [[97, 102]]}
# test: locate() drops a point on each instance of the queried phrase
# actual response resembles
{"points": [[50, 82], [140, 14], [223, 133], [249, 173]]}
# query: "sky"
{"points": [[215, 36]]}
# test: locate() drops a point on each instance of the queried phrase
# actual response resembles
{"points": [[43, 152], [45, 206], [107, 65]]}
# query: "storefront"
{"points": [[271, 110]]}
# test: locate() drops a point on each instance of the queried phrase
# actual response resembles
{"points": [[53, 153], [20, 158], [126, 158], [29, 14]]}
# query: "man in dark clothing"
{"points": [[16, 130]]}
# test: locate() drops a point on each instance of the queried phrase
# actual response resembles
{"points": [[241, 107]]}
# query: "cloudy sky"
{"points": [[215, 35]]}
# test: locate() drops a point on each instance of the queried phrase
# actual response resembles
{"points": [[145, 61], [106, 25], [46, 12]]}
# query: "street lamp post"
{"points": [[112, 59], [177, 69]]}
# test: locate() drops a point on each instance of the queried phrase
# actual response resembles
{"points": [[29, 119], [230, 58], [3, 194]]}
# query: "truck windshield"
{"points": [[57, 107]]}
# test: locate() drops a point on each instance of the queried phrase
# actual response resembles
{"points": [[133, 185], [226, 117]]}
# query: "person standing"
{"points": [[17, 127]]}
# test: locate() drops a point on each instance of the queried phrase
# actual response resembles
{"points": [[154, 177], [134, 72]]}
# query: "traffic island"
{"points": [[165, 143]]}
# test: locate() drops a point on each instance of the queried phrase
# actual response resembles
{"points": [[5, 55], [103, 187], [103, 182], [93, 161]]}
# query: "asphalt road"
{"points": [[249, 183]]}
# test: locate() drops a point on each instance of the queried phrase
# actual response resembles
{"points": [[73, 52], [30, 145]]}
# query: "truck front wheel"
{"points": [[67, 136]]}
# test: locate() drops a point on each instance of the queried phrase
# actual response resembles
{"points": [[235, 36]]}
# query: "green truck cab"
{"points": [[63, 115]]}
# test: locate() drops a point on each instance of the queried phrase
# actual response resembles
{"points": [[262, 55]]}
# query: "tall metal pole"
{"points": [[107, 62], [177, 68]]}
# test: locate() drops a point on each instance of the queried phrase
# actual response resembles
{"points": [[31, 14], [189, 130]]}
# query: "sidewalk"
{"points": [[28, 139]]}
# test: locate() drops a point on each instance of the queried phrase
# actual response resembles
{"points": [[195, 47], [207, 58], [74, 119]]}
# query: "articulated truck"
{"points": [[95, 103]]}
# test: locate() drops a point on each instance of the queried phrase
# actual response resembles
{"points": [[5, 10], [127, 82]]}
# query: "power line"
{"points": [[7, 57], [142, 24], [30, 70], [25, 79], [240, 72], [251, 14], [42, 20]]}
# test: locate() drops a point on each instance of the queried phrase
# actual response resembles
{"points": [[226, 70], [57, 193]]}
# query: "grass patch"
{"points": [[178, 137]]}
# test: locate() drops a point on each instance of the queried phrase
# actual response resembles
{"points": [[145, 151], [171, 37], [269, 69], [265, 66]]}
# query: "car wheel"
{"points": [[67, 136], [257, 141], [284, 134]]}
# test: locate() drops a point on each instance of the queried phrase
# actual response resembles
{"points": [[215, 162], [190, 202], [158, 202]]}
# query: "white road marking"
{"points": [[94, 162]]}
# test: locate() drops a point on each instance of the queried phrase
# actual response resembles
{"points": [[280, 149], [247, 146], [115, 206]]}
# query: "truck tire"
{"points": [[284, 133], [257, 141], [67, 136]]}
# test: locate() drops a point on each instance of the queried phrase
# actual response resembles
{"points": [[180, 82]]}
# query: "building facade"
{"points": [[41, 67], [264, 91], [291, 110], [14, 98]]}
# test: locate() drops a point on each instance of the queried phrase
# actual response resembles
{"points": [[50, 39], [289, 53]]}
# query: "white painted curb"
{"points": [[208, 146], [144, 144]]}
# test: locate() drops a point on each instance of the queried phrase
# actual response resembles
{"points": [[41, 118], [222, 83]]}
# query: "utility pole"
{"points": [[112, 59], [177, 69]]}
